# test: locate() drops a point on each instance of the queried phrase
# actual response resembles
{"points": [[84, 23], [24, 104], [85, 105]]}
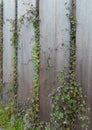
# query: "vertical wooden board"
{"points": [[25, 61], [8, 50], [54, 40], [84, 49], [1, 44]]}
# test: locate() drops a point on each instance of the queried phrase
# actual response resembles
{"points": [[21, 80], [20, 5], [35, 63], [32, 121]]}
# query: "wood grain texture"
{"points": [[25, 60], [1, 43], [8, 50], [54, 40], [84, 49]]}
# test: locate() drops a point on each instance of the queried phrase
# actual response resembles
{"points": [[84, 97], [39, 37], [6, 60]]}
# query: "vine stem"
{"points": [[15, 45], [73, 24]]}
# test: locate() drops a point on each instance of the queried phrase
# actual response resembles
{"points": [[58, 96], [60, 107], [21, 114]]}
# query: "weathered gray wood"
{"points": [[54, 40], [1, 44], [25, 61], [8, 51], [84, 48]]}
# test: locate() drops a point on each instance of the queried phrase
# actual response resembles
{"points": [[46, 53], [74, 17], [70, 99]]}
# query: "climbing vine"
{"points": [[15, 44], [68, 102], [36, 53], [34, 110]]}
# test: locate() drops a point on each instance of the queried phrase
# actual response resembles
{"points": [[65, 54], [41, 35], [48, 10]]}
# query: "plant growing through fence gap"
{"points": [[36, 53], [1, 43], [34, 110], [15, 43]]}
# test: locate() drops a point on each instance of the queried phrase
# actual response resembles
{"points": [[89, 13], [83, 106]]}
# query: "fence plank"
{"points": [[1, 44], [8, 51], [84, 49], [26, 44], [54, 40]]}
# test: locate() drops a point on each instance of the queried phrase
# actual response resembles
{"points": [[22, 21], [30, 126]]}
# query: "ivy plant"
{"points": [[68, 102]]}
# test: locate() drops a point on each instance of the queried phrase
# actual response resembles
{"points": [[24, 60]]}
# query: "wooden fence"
{"points": [[54, 54]]}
